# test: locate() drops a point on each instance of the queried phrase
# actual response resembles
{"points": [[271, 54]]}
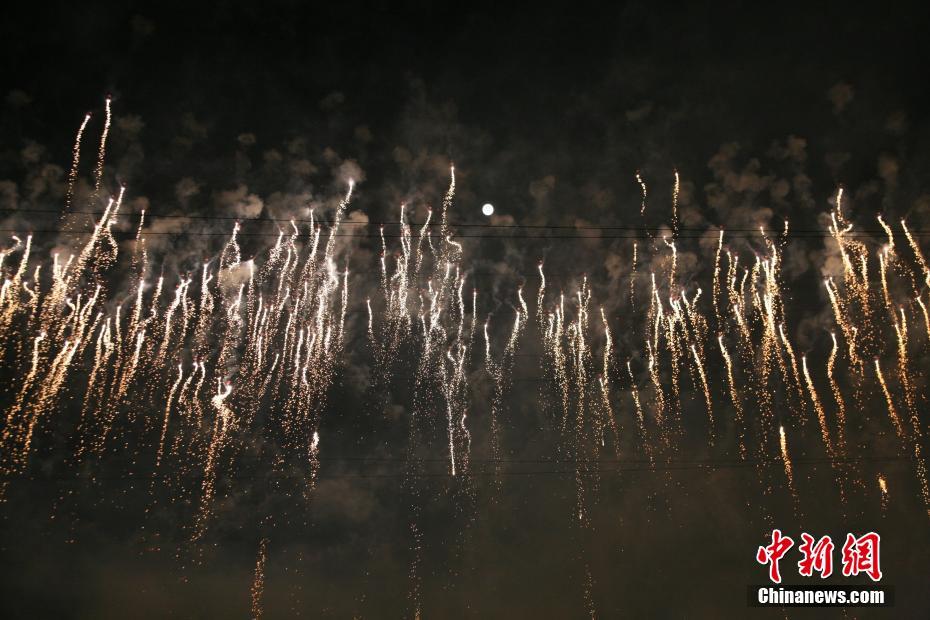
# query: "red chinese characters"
{"points": [[773, 553], [860, 555], [817, 556]]}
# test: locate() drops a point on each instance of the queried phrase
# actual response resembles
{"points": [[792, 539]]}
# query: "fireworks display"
{"points": [[444, 312], [238, 352]]}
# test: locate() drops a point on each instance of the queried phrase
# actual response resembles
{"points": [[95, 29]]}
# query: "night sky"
{"points": [[225, 112]]}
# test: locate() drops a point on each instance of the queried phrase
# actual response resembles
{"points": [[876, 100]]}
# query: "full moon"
{"points": [[488, 209]]}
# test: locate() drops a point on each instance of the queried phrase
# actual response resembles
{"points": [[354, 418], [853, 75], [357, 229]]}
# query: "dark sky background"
{"points": [[256, 110]]}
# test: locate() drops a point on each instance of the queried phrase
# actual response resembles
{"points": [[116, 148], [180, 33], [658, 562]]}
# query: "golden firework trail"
{"points": [[818, 408], [786, 460], [706, 388], [918, 254], [642, 186], [671, 272], [892, 411], [923, 310], [849, 331], [715, 291], [838, 395], [605, 411], [795, 376], [75, 160], [904, 375], [164, 429], [540, 296], [890, 234], [258, 580], [640, 417], [660, 406], [734, 396], [633, 277], [882, 267], [102, 151], [883, 489]]}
